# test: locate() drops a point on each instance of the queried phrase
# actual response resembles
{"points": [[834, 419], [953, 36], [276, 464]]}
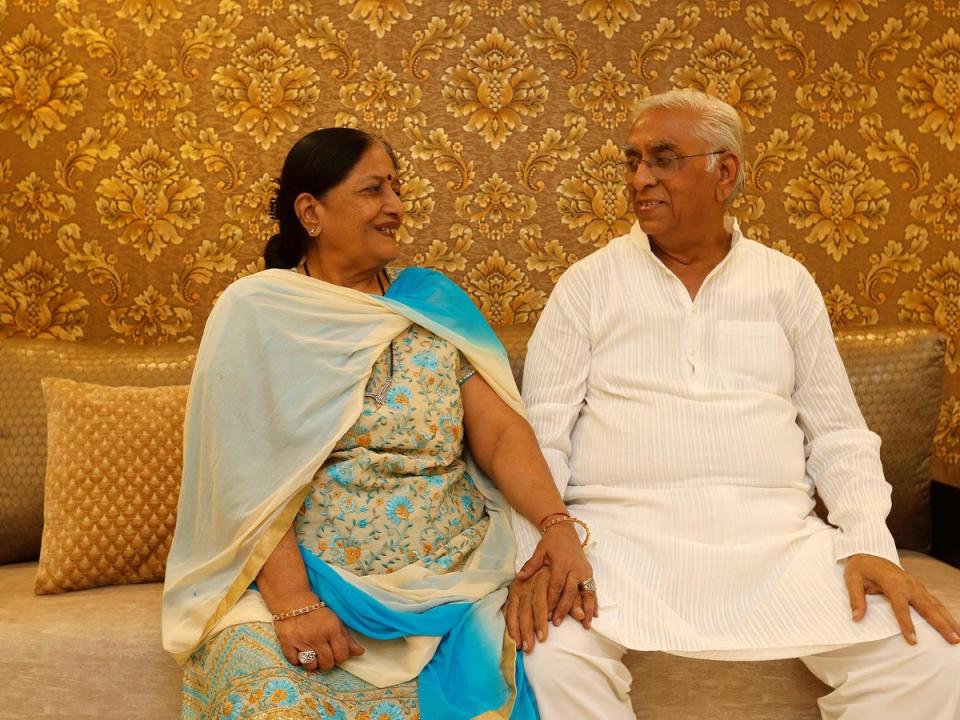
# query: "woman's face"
{"points": [[359, 218]]}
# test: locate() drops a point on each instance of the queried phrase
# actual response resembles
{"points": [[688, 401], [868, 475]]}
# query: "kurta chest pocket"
{"points": [[753, 355]]}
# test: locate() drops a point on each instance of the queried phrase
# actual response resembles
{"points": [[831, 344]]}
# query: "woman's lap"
{"points": [[242, 673]]}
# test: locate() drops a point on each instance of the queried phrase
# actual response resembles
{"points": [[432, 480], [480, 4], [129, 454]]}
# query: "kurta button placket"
{"points": [[694, 334]]}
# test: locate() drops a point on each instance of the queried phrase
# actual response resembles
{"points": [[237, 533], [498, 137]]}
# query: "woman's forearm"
{"points": [[506, 449], [283, 579], [516, 466]]}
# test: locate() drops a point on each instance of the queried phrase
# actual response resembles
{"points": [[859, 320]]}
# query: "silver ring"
{"points": [[590, 585], [306, 656]]}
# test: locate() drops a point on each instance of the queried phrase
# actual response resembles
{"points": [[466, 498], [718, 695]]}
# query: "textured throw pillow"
{"points": [[23, 415], [114, 458]]}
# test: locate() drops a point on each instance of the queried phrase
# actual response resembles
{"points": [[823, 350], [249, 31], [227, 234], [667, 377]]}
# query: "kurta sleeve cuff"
{"points": [[873, 541], [527, 537]]}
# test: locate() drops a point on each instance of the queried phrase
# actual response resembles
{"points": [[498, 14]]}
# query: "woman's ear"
{"points": [[310, 213]]}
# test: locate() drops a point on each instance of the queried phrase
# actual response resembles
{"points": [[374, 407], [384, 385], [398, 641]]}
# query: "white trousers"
{"points": [[579, 674]]}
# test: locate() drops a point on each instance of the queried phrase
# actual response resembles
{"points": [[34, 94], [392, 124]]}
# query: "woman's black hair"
{"points": [[317, 162]]}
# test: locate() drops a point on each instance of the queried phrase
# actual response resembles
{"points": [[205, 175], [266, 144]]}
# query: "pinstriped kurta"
{"points": [[689, 434]]}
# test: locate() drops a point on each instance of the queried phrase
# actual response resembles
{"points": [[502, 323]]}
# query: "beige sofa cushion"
{"points": [[91, 655], [96, 654], [23, 417], [114, 460]]}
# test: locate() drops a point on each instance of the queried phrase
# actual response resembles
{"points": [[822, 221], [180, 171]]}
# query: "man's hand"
{"points": [[526, 609], [869, 574], [559, 549]]}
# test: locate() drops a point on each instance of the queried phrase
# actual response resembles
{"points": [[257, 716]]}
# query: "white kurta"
{"points": [[689, 435]]}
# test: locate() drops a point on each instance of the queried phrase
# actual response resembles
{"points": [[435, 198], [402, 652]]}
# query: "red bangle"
{"points": [[547, 517]]}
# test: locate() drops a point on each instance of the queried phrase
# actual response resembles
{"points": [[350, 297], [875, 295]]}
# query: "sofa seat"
{"points": [[93, 654], [96, 654]]}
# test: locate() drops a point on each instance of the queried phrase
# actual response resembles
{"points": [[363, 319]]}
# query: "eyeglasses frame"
{"points": [[676, 159]]}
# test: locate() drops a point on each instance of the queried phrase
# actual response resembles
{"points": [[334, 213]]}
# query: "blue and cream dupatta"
{"points": [[279, 378]]}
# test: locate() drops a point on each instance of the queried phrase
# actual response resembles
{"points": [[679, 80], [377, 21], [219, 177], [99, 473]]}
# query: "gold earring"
{"points": [[314, 231]]}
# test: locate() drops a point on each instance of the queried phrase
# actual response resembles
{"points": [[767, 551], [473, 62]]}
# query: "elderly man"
{"points": [[688, 395]]}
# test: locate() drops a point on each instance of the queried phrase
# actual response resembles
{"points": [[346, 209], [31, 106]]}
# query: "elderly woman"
{"points": [[330, 519]]}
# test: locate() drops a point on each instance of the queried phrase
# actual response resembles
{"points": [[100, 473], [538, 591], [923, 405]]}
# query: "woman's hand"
{"points": [[283, 583], [320, 631], [559, 548]]}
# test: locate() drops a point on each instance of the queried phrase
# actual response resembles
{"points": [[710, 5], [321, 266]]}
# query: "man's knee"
{"points": [[572, 652], [942, 661], [559, 656], [579, 673]]}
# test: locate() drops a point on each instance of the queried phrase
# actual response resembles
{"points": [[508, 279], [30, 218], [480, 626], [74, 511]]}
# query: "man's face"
{"points": [[678, 206]]}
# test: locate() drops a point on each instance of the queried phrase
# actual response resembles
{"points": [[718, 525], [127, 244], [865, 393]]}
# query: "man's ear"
{"points": [[727, 169]]}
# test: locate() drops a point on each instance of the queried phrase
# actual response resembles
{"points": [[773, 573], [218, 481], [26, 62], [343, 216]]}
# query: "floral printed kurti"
{"points": [[394, 491]]}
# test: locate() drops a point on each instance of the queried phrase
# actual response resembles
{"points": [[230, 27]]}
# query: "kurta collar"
{"points": [[730, 224]]}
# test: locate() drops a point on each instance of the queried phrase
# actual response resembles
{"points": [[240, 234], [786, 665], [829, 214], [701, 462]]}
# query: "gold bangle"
{"points": [[568, 518], [277, 617], [553, 514]]}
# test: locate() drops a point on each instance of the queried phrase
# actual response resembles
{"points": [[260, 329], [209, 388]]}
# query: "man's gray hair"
{"points": [[715, 123]]}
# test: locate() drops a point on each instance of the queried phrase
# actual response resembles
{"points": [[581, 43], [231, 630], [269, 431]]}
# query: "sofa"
{"points": [[96, 653]]}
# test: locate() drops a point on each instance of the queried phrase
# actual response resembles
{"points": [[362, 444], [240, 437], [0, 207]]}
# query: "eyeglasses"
{"points": [[663, 165]]}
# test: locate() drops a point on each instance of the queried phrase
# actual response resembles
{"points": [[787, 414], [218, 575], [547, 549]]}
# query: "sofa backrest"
{"points": [[896, 373], [897, 376]]}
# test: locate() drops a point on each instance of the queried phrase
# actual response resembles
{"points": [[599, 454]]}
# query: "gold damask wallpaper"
{"points": [[139, 139]]}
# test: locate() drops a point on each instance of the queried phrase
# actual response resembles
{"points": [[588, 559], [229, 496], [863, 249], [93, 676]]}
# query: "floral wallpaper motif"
{"points": [[930, 88], [39, 87], [149, 199], [139, 139], [495, 86], [38, 302], [839, 201], [726, 67], [592, 200], [835, 98], [836, 16], [266, 87]]}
